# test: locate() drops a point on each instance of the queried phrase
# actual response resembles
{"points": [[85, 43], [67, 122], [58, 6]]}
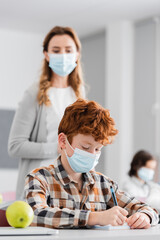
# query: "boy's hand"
{"points": [[139, 220], [114, 216]]}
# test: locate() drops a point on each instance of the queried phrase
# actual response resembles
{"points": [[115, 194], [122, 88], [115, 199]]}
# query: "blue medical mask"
{"points": [[62, 64], [82, 161], [145, 174]]}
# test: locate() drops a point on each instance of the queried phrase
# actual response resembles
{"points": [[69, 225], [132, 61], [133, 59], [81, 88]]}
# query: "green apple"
{"points": [[19, 214], [1, 198]]}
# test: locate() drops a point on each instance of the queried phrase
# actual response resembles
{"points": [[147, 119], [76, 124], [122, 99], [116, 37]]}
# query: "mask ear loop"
{"points": [[69, 144], [65, 149]]}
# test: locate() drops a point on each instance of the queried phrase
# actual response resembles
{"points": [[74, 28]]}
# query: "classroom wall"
{"points": [[93, 62], [119, 96], [147, 88], [20, 61], [133, 92], [6, 118], [144, 87]]}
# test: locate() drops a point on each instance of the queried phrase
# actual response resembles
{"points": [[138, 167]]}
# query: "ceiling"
{"points": [[85, 16]]}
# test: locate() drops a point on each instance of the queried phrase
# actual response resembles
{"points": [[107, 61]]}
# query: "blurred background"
{"points": [[121, 66]]}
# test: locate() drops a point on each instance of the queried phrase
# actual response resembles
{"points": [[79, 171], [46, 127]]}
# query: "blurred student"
{"points": [[33, 136], [70, 193], [140, 183]]}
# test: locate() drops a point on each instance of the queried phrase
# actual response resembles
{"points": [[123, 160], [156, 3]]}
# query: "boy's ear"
{"points": [[62, 140]]}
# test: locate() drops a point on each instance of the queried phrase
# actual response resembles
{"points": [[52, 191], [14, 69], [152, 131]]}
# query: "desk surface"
{"points": [[96, 234]]}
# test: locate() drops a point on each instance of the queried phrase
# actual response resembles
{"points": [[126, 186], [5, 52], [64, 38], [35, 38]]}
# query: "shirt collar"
{"points": [[88, 178], [65, 178], [61, 172]]}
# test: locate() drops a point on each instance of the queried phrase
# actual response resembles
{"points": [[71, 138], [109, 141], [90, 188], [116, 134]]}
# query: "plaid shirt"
{"points": [[57, 202]]}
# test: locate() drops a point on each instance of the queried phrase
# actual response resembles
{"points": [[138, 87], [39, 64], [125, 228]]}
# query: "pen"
{"points": [[113, 196]]}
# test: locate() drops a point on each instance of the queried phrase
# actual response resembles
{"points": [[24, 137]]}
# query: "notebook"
{"points": [[110, 227], [120, 227], [10, 231]]}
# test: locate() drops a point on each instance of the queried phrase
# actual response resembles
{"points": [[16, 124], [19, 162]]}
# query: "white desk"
{"points": [[96, 234]]}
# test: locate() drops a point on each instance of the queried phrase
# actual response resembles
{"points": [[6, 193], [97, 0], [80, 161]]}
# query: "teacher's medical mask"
{"points": [[145, 174], [82, 161], [62, 64]]}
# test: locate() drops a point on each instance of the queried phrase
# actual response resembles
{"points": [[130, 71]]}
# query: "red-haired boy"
{"points": [[70, 193]]}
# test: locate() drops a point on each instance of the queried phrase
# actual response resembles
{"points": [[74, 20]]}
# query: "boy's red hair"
{"points": [[89, 118]]}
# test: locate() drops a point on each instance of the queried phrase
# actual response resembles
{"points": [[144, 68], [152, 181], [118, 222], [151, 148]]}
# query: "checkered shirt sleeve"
{"points": [[37, 192], [131, 204]]}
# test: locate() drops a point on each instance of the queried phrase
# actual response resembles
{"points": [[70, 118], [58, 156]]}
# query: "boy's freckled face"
{"points": [[84, 142]]}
